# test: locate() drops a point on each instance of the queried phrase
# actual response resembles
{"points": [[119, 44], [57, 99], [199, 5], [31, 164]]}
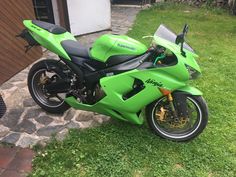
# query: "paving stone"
{"points": [[12, 173], [101, 118], [6, 86], [45, 120], [32, 113], [62, 135], [56, 115], [7, 155], [26, 71], [70, 114], [43, 142], [25, 126], [25, 153], [73, 125], [21, 76], [12, 117], [93, 123], [29, 102], [20, 85], [15, 98], [12, 138], [27, 141], [48, 131], [3, 131], [86, 124], [1, 170], [85, 116]]}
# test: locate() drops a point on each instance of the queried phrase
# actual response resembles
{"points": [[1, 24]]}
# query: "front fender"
{"points": [[190, 90]]}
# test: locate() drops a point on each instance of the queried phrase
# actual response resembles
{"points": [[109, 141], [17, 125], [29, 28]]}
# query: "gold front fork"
{"points": [[170, 99]]}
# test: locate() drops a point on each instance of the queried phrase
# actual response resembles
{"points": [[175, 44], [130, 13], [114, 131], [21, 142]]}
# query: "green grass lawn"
{"points": [[122, 149]]}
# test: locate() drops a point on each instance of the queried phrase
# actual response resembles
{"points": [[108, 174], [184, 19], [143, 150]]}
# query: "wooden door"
{"points": [[12, 53]]}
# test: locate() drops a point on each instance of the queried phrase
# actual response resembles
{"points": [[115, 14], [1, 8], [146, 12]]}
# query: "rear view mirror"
{"points": [[185, 30], [179, 39]]}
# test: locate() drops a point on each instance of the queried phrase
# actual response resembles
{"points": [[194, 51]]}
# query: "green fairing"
{"points": [[116, 86], [110, 45], [48, 40], [190, 90]]}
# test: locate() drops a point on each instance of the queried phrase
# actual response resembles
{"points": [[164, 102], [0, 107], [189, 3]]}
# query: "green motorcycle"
{"points": [[120, 77]]}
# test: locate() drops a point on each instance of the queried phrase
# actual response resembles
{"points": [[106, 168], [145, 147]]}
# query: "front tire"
{"points": [[50, 103], [188, 131]]}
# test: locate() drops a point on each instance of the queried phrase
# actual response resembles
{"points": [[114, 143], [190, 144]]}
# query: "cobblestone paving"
{"points": [[26, 124]]}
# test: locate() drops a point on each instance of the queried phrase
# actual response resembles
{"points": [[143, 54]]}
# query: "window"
{"points": [[43, 10]]}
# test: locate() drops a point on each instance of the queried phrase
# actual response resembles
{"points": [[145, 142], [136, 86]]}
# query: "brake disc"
{"points": [[179, 124], [43, 80], [163, 115]]}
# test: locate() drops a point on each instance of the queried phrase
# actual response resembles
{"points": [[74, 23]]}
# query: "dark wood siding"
{"points": [[63, 15], [12, 53]]}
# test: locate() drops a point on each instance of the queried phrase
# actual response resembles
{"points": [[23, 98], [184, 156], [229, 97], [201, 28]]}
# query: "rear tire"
{"points": [[202, 118], [55, 107]]}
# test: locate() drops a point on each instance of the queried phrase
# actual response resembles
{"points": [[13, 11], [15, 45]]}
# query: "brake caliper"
{"points": [[161, 115]]}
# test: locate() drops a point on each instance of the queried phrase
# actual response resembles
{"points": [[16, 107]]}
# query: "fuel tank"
{"points": [[115, 45]]}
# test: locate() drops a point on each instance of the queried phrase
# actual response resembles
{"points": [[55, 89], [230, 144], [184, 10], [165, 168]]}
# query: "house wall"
{"points": [[89, 16], [12, 52]]}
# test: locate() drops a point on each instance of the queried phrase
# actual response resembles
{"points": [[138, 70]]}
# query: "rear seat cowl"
{"points": [[54, 29]]}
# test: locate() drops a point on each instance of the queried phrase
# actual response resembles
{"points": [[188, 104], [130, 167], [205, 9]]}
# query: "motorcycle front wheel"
{"points": [[161, 120]]}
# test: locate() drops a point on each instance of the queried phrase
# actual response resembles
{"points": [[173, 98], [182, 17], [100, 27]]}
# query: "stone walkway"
{"points": [[26, 124]]}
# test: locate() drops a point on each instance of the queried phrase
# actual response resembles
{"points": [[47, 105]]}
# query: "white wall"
{"points": [[88, 16], [55, 12]]}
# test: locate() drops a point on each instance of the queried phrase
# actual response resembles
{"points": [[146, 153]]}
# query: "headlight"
{"points": [[193, 73]]}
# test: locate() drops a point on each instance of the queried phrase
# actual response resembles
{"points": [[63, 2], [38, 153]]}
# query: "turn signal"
{"points": [[164, 91]]}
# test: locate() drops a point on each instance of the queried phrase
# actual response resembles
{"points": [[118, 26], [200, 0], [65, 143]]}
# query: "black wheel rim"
{"points": [[39, 92]]}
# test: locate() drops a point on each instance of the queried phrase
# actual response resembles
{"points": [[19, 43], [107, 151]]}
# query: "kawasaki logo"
{"points": [[154, 83], [127, 47], [33, 26]]}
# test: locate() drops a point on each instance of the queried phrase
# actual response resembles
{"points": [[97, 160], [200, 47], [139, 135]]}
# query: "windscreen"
{"points": [[164, 33]]}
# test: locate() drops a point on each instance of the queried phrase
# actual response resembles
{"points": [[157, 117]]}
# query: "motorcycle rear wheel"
{"points": [[178, 132], [50, 103]]}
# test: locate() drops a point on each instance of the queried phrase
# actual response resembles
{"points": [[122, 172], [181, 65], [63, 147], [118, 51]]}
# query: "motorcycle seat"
{"points": [[74, 48], [54, 29]]}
